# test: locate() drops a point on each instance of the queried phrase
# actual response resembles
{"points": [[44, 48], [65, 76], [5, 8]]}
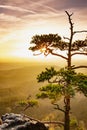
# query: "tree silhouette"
{"points": [[65, 82]]}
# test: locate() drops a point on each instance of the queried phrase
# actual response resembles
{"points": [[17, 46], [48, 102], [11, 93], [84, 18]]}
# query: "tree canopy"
{"points": [[58, 83], [64, 82]]}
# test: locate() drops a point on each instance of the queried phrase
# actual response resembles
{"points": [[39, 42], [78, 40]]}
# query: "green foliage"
{"points": [[38, 39], [30, 103], [81, 82], [58, 83], [51, 91], [42, 95], [67, 75], [47, 40], [46, 75], [79, 44], [55, 41], [73, 123], [22, 103]]}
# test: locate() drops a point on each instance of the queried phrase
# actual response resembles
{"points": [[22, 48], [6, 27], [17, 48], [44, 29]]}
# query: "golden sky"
{"points": [[21, 19]]}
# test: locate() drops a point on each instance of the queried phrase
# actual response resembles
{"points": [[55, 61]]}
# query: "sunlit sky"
{"points": [[21, 19]]}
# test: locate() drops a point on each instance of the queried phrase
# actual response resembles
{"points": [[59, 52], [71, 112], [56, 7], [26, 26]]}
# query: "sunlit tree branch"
{"points": [[78, 53], [55, 54]]}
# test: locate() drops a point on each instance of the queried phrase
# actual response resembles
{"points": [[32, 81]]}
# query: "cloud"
{"points": [[14, 8], [67, 4], [39, 6], [8, 18], [20, 19]]}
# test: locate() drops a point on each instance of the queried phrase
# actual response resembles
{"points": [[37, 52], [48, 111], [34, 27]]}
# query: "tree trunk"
{"points": [[67, 117], [67, 95]]}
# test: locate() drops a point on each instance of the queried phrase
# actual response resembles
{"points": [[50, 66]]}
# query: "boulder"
{"points": [[19, 122]]}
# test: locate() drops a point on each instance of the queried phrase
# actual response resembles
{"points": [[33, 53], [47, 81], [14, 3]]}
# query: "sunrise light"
{"points": [[19, 24]]}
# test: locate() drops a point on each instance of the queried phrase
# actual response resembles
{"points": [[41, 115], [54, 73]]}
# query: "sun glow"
{"points": [[43, 49], [16, 42]]}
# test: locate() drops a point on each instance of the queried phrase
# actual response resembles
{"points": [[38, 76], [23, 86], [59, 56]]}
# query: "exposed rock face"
{"points": [[18, 122]]}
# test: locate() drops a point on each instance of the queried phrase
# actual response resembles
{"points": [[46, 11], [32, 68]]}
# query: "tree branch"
{"points": [[78, 53], [55, 54], [66, 38], [70, 20], [69, 15], [71, 38], [30, 118], [26, 107], [57, 107], [53, 122], [44, 122], [81, 66], [79, 31]]}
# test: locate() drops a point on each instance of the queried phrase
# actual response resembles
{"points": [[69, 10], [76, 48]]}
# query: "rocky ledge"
{"points": [[20, 122]]}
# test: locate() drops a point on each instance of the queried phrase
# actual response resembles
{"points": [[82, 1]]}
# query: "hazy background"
{"points": [[19, 21], [18, 81]]}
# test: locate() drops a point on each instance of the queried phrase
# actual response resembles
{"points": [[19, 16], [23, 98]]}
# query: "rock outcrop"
{"points": [[19, 122]]}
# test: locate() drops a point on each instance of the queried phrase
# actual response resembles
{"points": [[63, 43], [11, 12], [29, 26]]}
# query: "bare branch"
{"points": [[30, 118], [59, 55], [26, 107], [44, 122], [70, 20], [79, 31], [69, 14], [71, 38], [57, 107], [78, 67], [48, 51], [53, 122], [78, 53], [66, 38]]}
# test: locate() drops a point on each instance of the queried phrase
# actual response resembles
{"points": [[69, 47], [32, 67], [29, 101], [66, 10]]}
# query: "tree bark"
{"points": [[67, 116], [67, 96]]}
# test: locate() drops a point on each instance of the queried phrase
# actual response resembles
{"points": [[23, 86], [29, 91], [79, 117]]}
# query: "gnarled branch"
{"points": [[44, 122], [57, 107]]}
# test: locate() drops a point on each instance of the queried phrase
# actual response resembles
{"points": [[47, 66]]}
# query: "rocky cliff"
{"points": [[20, 122]]}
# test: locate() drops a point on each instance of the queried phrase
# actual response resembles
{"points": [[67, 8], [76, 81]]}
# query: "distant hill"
{"points": [[18, 81]]}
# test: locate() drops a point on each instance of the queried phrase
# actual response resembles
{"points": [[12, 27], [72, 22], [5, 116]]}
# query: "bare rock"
{"points": [[18, 122]]}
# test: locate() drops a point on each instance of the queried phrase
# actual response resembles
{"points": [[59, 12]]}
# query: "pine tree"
{"points": [[65, 82]]}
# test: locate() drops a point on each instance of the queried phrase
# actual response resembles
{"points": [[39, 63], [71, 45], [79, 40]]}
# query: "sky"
{"points": [[22, 19]]}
